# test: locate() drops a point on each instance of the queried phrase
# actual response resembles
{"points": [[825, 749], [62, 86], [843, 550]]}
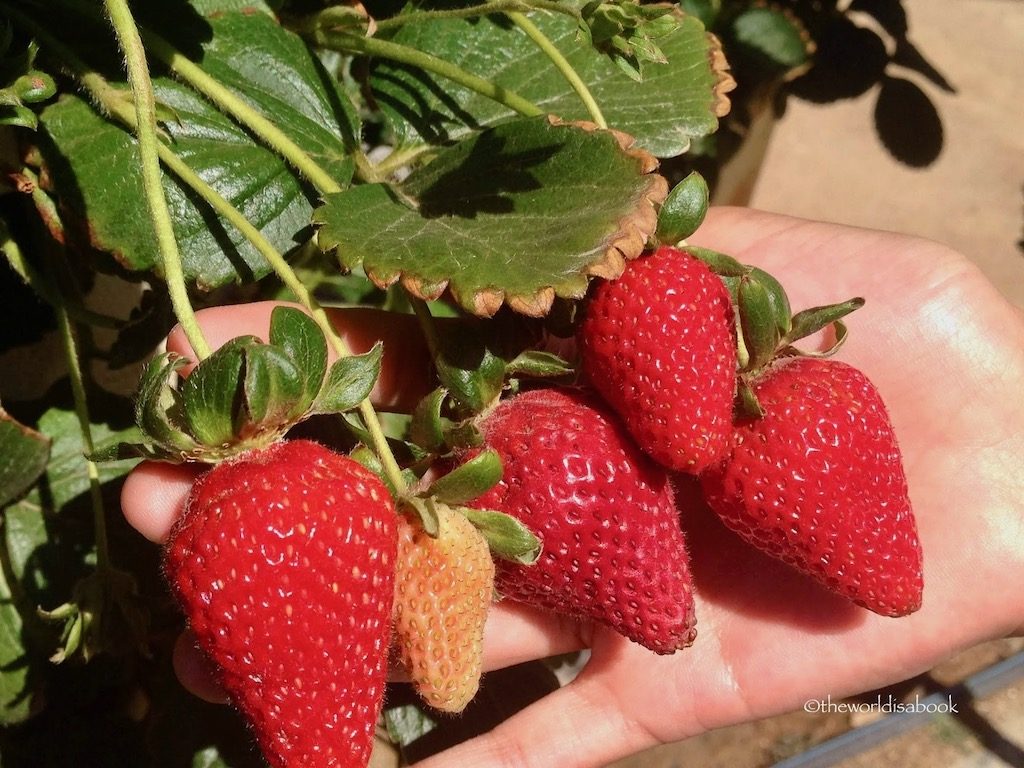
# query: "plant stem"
{"points": [[145, 127], [426, 320], [348, 42], [471, 11], [224, 98], [110, 100], [561, 63], [67, 333]]}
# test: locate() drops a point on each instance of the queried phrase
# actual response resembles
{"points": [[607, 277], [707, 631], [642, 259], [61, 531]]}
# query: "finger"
{"points": [[580, 725], [153, 496], [405, 366], [516, 633], [195, 671]]}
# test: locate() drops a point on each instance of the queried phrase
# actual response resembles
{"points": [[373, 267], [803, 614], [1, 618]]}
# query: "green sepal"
{"points": [[683, 210], [722, 265], [274, 388], [425, 510], [777, 295], [464, 434], [365, 456], [427, 428], [814, 319], [349, 381], [841, 333], [468, 481], [539, 364], [158, 407], [212, 396], [507, 537], [298, 335], [757, 322], [746, 406], [471, 372]]}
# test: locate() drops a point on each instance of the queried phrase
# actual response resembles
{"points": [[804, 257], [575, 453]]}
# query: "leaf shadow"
{"points": [[484, 180], [412, 105], [908, 123]]}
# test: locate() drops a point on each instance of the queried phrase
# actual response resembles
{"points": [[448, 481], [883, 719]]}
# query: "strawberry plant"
{"points": [[477, 185]]}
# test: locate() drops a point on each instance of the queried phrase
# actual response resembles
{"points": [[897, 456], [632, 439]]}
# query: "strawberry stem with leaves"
{"points": [[145, 129], [111, 101]]}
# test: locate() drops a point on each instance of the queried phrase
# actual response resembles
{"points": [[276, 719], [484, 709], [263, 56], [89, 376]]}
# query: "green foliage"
{"points": [[504, 215], [673, 103], [486, 218]]}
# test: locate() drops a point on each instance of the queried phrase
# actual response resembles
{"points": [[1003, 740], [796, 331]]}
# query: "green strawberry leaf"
{"points": [[23, 457], [683, 210], [405, 723], [772, 37], [507, 536], [468, 481], [93, 162], [676, 101], [300, 338], [274, 71], [488, 217], [15, 690], [212, 395], [349, 382]]}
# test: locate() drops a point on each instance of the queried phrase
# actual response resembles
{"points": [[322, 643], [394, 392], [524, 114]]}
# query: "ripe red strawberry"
{"points": [[284, 565], [613, 550], [818, 482], [659, 345], [443, 588]]}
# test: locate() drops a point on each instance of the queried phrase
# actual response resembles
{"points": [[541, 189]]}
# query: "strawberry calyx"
{"points": [[766, 327], [506, 536], [244, 396]]}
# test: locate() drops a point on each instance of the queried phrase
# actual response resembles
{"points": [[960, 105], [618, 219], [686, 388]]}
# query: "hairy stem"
{"points": [[226, 100], [109, 99], [145, 126], [561, 64], [348, 42]]}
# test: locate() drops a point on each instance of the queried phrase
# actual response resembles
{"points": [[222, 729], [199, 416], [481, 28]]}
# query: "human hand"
{"points": [[946, 352]]}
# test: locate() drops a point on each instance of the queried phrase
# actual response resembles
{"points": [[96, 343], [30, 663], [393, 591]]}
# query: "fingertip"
{"points": [[195, 671], [154, 495]]}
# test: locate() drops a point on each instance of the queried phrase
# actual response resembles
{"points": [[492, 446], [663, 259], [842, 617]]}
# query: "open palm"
{"points": [[947, 353]]}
